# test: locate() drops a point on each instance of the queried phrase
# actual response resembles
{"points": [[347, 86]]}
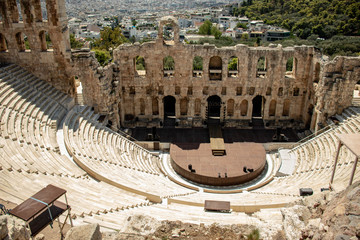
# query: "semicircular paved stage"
{"points": [[242, 162]]}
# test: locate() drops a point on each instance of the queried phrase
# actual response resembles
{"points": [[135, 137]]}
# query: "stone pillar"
{"points": [[13, 11], [37, 10], [26, 11]]}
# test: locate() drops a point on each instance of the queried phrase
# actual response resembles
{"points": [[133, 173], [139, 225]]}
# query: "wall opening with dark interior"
{"points": [[258, 103], [215, 68], [214, 108]]}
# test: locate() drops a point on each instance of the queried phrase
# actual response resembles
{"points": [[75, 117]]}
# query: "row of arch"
{"points": [[23, 42], [215, 66], [170, 106], [13, 10]]}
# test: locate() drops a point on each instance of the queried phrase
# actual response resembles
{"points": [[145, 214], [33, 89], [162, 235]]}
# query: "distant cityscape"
{"points": [[139, 19]]}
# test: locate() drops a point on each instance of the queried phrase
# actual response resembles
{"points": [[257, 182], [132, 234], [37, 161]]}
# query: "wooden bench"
{"points": [[217, 206]]}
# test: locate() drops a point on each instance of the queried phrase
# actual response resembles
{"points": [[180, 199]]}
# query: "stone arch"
{"points": [[155, 106], [230, 107], [197, 107], [3, 43], [268, 91], [214, 106], [142, 106], [272, 108], [197, 66], [258, 106], [183, 106], [261, 67], [286, 108], [139, 65], [168, 66], [168, 21], [20, 41], [290, 66], [233, 66], [215, 68], [244, 107]]}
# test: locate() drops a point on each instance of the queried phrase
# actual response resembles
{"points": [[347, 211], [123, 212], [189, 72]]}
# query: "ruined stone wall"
{"points": [[47, 63], [182, 84], [334, 91], [315, 88]]}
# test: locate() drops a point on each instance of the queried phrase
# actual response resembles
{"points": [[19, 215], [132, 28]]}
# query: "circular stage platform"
{"points": [[242, 163]]}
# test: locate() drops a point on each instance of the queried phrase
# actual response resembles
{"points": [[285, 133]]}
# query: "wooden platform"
{"points": [[242, 162], [216, 140]]}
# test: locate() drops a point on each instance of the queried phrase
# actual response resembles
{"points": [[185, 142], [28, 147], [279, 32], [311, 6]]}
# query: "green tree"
{"points": [[109, 39], [241, 25], [102, 56], [233, 64], [140, 63], [205, 28], [75, 44], [198, 63], [215, 32], [169, 63]]}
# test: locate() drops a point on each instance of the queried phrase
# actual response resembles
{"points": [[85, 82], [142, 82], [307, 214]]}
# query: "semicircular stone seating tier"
{"points": [[112, 177]]}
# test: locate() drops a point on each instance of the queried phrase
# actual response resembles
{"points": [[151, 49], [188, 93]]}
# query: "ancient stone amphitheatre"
{"points": [[53, 133]]}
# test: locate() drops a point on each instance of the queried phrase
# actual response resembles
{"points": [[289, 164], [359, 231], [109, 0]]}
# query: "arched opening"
{"points": [[168, 66], [290, 66], [272, 108], [296, 92], [197, 107], [286, 109], [168, 33], [155, 106], [183, 106], [142, 106], [214, 107], [280, 92], [197, 66], [3, 43], [244, 107], [230, 107], [169, 111], [45, 41], [268, 91], [258, 106], [20, 41], [310, 112], [233, 67], [139, 63], [317, 73], [261, 67], [215, 68]]}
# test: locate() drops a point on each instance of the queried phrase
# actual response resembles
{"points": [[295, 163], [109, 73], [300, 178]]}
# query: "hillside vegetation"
{"points": [[324, 18], [331, 25]]}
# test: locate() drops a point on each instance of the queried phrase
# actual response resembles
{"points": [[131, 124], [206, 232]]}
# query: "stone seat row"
{"points": [[28, 128], [86, 196], [319, 152], [107, 171], [109, 146]]}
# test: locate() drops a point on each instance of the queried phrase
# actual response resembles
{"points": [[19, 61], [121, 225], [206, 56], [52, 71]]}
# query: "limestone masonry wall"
{"points": [[257, 87]]}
